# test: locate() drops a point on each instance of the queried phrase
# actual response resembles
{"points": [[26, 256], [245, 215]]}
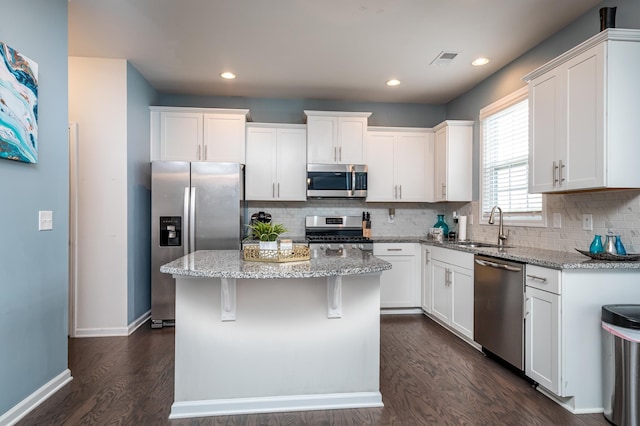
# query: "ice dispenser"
{"points": [[170, 230]]}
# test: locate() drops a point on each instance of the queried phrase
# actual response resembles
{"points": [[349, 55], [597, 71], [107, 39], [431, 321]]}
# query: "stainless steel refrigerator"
{"points": [[194, 206]]}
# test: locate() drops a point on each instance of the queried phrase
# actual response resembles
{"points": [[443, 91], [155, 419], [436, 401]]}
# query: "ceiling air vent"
{"points": [[444, 58]]}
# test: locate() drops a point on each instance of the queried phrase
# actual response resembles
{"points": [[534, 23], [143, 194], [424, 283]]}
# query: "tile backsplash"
{"points": [[616, 210]]}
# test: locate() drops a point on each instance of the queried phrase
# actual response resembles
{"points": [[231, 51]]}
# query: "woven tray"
{"points": [[252, 253], [609, 256]]}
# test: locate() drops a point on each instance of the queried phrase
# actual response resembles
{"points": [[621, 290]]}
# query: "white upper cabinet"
{"points": [[453, 161], [276, 162], [584, 109], [336, 137], [198, 134], [400, 164]]}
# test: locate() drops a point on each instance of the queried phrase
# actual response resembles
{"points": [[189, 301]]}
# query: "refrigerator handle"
{"points": [[186, 225], [192, 220]]}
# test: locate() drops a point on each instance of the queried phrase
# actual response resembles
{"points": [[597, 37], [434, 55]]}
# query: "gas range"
{"points": [[336, 232]]}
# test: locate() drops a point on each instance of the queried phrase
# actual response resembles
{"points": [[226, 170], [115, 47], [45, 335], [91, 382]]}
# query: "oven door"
{"points": [[336, 181]]}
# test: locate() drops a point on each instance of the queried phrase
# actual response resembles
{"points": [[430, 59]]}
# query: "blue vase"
{"points": [[442, 224], [596, 245], [619, 247]]}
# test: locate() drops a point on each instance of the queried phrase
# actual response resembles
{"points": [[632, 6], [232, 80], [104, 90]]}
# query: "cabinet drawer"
{"points": [[543, 278], [453, 257], [394, 249]]}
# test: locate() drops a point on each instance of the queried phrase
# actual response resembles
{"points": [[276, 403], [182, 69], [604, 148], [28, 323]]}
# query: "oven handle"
{"points": [[498, 265]]}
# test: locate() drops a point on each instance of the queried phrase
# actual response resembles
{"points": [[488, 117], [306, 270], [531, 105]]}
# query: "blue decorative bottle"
{"points": [[619, 247], [442, 224], [596, 245]]}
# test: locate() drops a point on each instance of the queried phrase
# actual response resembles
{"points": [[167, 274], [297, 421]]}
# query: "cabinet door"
{"points": [[399, 286], [291, 172], [459, 161], [224, 138], [584, 146], [542, 338], [410, 156], [462, 300], [322, 135], [380, 185], [441, 291], [180, 136], [440, 165], [545, 133], [351, 137], [260, 176], [426, 279]]}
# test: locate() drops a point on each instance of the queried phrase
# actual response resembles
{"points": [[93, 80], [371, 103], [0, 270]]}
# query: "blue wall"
{"points": [[509, 78], [265, 110], [33, 264], [140, 95]]}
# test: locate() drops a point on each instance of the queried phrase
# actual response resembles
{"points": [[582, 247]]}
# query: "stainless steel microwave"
{"points": [[336, 181]]}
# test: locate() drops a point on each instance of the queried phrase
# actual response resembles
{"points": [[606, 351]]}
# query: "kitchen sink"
{"points": [[477, 244]]}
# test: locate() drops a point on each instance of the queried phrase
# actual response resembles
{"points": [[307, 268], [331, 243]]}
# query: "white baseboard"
{"points": [[139, 321], [25, 406], [400, 311], [569, 403], [225, 407], [114, 331]]}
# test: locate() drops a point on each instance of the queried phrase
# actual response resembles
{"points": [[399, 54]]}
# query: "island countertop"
{"points": [[229, 264]]}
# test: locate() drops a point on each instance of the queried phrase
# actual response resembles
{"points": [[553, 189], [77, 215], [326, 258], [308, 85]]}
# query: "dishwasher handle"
{"points": [[498, 265]]}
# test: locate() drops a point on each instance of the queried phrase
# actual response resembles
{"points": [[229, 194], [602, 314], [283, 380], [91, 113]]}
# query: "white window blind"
{"points": [[505, 161]]}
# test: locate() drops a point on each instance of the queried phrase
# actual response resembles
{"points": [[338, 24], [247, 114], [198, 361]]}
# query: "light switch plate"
{"points": [[557, 220], [45, 220]]}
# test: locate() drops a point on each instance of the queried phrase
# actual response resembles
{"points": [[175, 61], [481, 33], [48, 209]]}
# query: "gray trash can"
{"points": [[621, 364]]}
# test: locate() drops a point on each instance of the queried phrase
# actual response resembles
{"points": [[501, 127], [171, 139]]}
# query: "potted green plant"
{"points": [[266, 234]]}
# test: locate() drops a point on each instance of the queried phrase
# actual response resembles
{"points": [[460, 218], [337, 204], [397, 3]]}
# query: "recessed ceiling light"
{"points": [[393, 82], [228, 75], [479, 62]]}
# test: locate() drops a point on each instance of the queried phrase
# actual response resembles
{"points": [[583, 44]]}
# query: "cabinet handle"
{"points": [[444, 191], [426, 257], [273, 190], [555, 173], [340, 153], [395, 191], [535, 277], [335, 154], [561, 166], [206, 156], [198, 156], [278, 189], [401, 192], [394, 249]]}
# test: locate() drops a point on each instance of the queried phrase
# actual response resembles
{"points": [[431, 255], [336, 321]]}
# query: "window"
{"points": [[504, 127]]}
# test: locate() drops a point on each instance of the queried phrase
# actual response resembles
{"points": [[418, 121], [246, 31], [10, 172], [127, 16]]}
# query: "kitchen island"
{"points": [[254, 337]]}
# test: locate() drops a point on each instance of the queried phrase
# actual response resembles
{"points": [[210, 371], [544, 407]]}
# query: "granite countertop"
{"points": [[229, 264]]}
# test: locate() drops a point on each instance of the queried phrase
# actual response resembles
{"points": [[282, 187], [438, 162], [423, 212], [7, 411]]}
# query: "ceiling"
{"points": [[316, 49]]}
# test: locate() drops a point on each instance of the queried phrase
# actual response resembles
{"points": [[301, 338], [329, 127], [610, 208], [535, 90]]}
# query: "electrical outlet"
{"points": [[587, 222], [557, 220]]}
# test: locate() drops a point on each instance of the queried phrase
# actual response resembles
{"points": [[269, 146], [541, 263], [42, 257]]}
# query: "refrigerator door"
{"points": [[169, 180], [218, 196]]}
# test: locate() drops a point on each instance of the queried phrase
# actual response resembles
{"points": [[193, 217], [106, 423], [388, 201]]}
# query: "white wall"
{"points": [[98, 103]]}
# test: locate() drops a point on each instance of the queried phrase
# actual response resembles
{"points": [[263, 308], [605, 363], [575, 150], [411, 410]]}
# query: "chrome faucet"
{"points": [[501, 236]]}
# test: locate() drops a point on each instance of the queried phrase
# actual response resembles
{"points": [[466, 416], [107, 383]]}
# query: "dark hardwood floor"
{"points": [[428, 377]]}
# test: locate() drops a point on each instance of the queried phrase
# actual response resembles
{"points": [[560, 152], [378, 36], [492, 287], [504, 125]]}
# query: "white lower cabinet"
{"points": [[399, 286], [452, 289]]}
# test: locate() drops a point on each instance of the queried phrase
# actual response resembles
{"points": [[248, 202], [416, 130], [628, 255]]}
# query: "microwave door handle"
{"points": [[353, 181]]}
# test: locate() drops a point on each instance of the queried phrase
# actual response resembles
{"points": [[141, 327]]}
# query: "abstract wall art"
{"points": [[18, 106]]}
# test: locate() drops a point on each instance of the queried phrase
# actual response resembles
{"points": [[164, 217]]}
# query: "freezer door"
{"points": [[217, 190], [169, 179]]}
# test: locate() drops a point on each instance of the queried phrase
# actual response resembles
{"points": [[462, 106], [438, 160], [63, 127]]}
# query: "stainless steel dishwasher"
{"points": [[498, 319]]}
